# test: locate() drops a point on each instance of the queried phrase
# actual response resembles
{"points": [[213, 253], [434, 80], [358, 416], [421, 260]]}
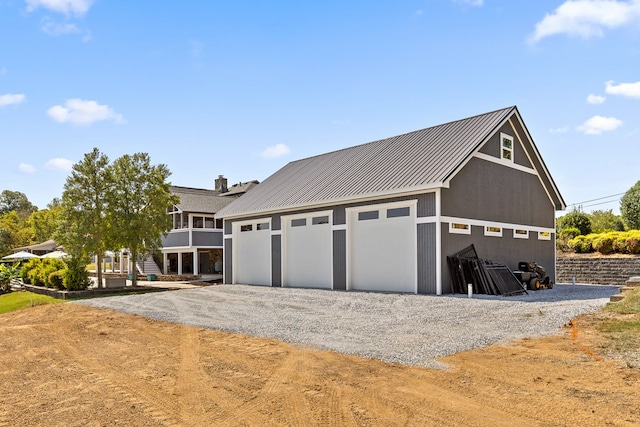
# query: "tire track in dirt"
{"points": [[129, 388], [192, 380], [268, 392]]}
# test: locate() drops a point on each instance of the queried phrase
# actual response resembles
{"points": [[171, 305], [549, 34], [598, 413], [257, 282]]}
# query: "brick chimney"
{"points": [[221, 184]]}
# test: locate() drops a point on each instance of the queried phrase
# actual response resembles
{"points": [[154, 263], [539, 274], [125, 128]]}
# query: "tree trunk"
{"points": [[99, 269], [134, 258]]}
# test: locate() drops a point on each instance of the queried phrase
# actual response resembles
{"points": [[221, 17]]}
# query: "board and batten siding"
{"points": [[340, 260], [489, 191], [427, 250], [228, 261], [276, 260]]}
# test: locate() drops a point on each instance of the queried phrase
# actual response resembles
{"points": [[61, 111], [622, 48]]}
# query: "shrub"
{"points": [[569, 233], [76, 276], [581, 244], [26, 269], [55, 279], [603, 243], [7, 274]]}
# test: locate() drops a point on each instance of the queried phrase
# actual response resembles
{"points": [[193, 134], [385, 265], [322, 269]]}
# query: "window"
{"points": [[198, 222], [506, 147], [459, 228], [320, 220], [209, 222], [247, 227], [493, 231], [299, 222], [544, 235], [398, 212], [262, 226], [520, 234], [364, 216]]}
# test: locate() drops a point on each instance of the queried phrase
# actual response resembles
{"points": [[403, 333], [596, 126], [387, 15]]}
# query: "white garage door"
{"points": [[382, 248], [307, 250], [252, 253]]}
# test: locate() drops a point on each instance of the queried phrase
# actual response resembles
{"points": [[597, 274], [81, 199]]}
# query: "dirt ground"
{"points": [[71, 365]]}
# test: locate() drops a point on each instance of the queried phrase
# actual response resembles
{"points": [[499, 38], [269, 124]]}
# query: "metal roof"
{"points": [[417, 160], [199, 200]]}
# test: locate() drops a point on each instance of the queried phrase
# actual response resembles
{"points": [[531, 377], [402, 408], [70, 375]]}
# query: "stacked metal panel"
{"points": [[486, 276]]}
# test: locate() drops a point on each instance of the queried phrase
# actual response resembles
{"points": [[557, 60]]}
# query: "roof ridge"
{"points": [[404, 134]]}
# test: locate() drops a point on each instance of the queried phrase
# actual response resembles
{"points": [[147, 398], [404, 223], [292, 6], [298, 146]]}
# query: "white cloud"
{"points": [[470, 2], [587, 18], [56, 29], [59, 164], [598, 124], [11, 98], [277, 150], [80, 112], [596, 99], [631, 90], [563, 129], [26, 168], [66, 7]]}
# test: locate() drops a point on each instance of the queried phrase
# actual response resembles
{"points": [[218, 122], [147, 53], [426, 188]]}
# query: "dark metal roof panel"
{"points": [[396, 164]]}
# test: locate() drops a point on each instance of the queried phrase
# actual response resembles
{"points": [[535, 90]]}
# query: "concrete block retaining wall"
{"points": [[601, 271]]}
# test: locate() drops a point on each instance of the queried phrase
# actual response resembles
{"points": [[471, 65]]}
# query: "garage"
{"points": [[251, 266], [382, 248], [307, 250]]}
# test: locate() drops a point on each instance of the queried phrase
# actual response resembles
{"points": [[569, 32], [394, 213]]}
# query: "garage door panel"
{"points": [[253, 257], [382, 250], [308, 253]]}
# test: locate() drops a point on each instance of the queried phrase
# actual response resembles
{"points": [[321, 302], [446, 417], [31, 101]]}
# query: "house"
{"points": [[194, 245], [383, 216]]}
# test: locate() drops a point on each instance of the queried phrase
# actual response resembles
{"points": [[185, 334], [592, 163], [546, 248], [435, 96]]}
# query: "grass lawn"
{"points": [[17, 300]]}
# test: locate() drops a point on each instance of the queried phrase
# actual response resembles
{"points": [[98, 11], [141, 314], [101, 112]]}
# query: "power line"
{"points": [[599, 198]]}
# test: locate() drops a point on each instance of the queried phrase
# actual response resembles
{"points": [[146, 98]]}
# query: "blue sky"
{"points": [[241, 88]]}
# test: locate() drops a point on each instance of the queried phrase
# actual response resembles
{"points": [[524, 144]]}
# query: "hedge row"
{"points": [[624, 242], [55, 273]]}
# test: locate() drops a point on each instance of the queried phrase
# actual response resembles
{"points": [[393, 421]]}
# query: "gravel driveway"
{"points": [[409, 329]]}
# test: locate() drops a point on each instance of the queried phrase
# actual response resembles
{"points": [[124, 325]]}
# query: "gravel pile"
{"points": [[408, 329]]}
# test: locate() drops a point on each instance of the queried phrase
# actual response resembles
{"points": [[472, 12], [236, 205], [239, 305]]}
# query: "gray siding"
{"points": [[489, 191], [340, 260], [206, 238], [276, 260], [176, 239], [426, 206], [503, 249], [227, 227], [427, 258], [228, 255]]}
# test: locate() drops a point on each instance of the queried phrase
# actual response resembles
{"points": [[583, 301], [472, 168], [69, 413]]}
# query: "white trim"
{"points": [[457, 230], [491, 232], [338, 227], [482, 223], [511, 149], [517, 235], [427, 220], [506, 163], [276, 232]]}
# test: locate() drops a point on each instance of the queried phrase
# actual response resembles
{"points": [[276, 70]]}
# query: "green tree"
{"points": [[45, 222], [16, 201], [138, 200], [83, 229], [14, 232], [605, 220], [630, 207], [574, 219]]}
